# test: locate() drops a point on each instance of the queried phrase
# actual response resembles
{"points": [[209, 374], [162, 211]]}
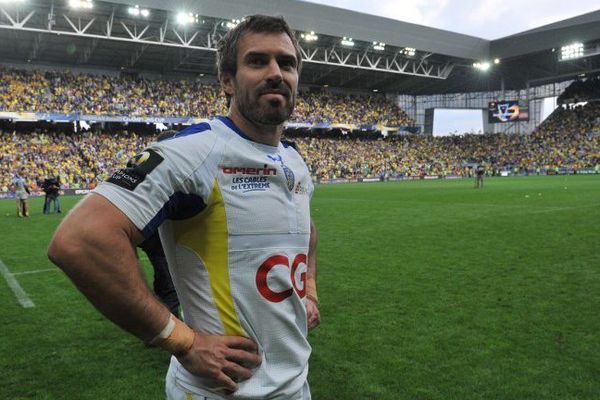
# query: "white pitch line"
{"points": [[20, 294], [37, 271]]}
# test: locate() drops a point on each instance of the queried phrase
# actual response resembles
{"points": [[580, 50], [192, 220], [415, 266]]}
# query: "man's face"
{"points": [[264, 88]]}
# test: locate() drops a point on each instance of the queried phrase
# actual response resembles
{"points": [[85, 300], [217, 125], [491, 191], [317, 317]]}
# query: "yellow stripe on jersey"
{"points": [[207, 235]]}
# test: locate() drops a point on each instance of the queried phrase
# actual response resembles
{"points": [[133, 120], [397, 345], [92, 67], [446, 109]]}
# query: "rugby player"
{"points": [[231, 203]]}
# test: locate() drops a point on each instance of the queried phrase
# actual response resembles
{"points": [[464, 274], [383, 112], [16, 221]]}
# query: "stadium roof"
{"points": [[108, 36]]}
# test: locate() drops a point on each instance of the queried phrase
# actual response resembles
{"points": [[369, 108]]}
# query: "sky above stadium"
{"points": [[487, 19]]}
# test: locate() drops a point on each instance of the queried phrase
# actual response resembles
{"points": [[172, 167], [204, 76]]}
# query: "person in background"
{"points": [[479, 172], [51, 187], [21, 193], [162, 282]]}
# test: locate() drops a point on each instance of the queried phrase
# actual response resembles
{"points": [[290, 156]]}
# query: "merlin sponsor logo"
{"points": [[250, 171]]}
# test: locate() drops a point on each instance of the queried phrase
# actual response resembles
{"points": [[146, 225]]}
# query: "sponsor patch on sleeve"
{"points": [[137, 169]]}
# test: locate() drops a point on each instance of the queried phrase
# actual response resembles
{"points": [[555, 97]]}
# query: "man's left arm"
{"points": [[312, 300]]}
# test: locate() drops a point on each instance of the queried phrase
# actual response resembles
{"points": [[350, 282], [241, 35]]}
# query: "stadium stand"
{"points": [[65, 92], [580, 91], [568, 140]]}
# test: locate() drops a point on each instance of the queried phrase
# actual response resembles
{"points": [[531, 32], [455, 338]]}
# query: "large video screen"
{"points": [[506, 111]]}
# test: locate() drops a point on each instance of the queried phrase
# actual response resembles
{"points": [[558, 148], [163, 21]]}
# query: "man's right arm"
{"points": [[94, 246]]}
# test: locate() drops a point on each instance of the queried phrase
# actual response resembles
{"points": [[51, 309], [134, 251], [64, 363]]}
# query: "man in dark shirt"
{"points": [[479, 171], [51, 187]]}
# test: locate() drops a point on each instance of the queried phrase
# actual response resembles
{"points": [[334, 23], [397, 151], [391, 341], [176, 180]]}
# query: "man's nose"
{"points": [[274, 71]]}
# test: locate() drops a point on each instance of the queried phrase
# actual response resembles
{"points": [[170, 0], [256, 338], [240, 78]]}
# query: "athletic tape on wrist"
{"points": [[311, 290], [167, 330], [176, 337]]}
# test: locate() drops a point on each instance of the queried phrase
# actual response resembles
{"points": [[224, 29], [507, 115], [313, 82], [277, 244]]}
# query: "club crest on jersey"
{"points": [[289, 177], [289, 174]]}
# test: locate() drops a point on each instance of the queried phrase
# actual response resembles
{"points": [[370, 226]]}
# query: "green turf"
{"points": [[428, 290]]}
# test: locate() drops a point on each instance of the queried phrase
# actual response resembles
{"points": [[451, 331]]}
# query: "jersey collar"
{"points": [[227, 121]]}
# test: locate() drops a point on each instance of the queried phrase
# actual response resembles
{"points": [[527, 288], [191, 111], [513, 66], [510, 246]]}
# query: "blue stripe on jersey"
{"points": [[227, 121], [179, 206], [191, 130]]}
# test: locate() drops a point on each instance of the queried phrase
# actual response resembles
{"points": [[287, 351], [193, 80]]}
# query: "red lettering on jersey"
{"points": [[249, 170], [263, 271], [300, 258]]}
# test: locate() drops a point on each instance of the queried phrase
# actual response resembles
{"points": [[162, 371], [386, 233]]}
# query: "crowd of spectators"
{"points": [[569, 138], [79, 160], [334, 108], [65, 92]]}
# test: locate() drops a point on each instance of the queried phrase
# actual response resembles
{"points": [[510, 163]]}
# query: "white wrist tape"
{"points": [[167, 330]]}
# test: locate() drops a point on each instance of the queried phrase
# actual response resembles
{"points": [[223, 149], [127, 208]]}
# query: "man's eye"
{"points": [[257, 61], [287, 64]]}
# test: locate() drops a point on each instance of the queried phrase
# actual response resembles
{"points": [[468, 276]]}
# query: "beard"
{"points": [[263, 112]]}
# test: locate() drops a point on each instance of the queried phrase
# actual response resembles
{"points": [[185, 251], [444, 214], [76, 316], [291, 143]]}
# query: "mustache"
{"points": [[275, 87]]}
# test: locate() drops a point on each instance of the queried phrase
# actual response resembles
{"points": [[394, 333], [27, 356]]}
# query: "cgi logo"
{"points": [[263, 271]]}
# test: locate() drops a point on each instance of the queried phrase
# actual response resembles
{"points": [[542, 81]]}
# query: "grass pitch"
{"points": [[428, 290]]}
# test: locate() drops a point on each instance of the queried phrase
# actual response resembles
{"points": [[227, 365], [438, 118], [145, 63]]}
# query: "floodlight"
{"points": [[379, 46], [309, 37], [571, 51], [137, 11], [232, 24], [81, 4], [186, 18], [496, 61], [409, 51], [346, 41], [483, 66]]}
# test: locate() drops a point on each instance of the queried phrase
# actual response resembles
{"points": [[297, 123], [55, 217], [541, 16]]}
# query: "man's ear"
{"points": [[227, 83]]}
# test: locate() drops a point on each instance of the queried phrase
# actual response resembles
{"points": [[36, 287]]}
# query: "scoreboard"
{"points": [[506, 111]]}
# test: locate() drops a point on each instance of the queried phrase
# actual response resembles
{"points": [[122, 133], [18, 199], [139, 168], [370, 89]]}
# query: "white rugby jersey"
{"points": [[235, 225]]}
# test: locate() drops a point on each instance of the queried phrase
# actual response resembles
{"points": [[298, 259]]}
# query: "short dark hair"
{"points": [[227, 48]]}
